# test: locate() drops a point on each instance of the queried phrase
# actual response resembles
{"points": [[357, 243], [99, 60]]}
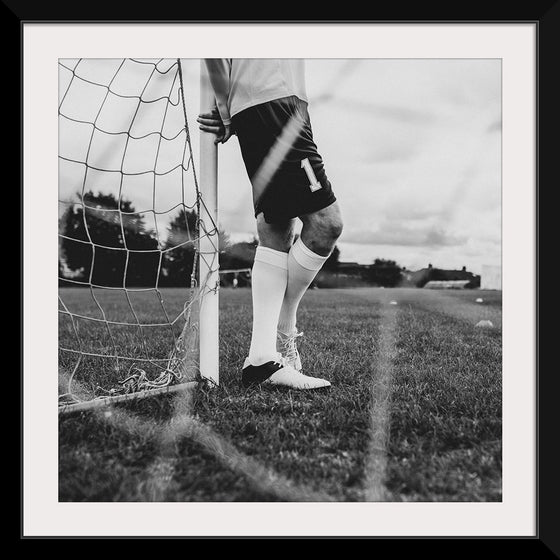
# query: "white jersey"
{"points": [[240, 83]]}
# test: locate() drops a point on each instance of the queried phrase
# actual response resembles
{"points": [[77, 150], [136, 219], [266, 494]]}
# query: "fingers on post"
{"points": [[212, 125], [209, 121], [211, 115]]}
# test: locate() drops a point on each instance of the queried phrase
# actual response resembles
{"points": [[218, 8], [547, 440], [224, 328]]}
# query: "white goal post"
{"points": [[209, 275]]}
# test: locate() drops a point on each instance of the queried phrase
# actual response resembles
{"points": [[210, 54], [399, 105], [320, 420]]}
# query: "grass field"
{"points": [[414, 413]]}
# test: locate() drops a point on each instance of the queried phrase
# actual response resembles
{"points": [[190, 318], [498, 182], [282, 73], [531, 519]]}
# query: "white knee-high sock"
{"points": [[303, 266], [268, 285]]}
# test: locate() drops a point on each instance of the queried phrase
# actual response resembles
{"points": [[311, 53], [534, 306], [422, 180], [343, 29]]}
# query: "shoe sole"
{"points": [[279, 387]]}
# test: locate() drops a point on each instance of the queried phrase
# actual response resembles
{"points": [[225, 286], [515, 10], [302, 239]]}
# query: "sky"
{"points": [[412, 148]]}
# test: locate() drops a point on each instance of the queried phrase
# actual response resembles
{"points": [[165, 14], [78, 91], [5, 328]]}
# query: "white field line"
{"points": [[160, 480], [260, 478], [160, 474], [376, 463]]}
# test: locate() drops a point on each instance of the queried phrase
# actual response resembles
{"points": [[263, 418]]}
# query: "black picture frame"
{"points": [[545, 14]]}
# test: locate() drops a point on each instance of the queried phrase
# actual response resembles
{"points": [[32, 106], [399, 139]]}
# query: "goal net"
{"points": [[137, 243]]}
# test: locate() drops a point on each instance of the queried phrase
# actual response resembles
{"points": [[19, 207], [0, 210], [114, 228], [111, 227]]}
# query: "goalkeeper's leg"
{"points": [[320, 232], [282, 272]]}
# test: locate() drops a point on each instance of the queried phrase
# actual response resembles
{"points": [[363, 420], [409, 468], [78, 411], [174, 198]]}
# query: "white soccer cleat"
{"points": [[287, 346], [294, 379], [280, 374]]}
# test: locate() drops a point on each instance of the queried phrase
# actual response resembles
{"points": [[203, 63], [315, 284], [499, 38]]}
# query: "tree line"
{"points": [[96, 234]]}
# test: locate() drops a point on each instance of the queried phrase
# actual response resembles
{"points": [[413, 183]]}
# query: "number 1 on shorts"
{"points": [[314, 184]]}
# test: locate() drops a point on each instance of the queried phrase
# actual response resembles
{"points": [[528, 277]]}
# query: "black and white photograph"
{"points": [[353, 250], [280, 280]]}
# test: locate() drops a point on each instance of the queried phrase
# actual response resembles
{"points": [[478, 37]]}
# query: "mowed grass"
{"points": [[442, 418], [160, 317]]}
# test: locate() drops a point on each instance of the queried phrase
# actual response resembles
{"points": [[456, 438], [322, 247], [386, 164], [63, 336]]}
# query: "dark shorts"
{"points": [[285, 168]]}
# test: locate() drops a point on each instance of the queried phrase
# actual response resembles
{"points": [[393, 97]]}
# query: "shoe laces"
{"points": [[284, 362], [289, 344], [281, 360]]}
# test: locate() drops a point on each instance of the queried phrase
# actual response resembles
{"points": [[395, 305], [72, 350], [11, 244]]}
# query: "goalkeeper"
{"points": [[264, 102]]}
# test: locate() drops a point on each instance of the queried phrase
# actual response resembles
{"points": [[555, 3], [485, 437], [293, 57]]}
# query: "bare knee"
{"points": [[335, 224], [279, 237], [322, 229]]}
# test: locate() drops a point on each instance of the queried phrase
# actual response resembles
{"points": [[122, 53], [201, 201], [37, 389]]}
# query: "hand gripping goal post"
{"points": [[138, 235]]}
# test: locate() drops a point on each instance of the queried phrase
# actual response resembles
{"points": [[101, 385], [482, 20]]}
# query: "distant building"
{"points": [[420, 278], [446, 284], [388, 273]]}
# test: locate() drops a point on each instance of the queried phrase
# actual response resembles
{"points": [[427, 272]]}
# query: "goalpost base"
{"points": [[108, 401]]}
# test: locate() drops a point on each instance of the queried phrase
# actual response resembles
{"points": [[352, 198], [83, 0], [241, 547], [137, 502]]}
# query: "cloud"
{"points": [[391, 154], [395, 234], [390, 112], [412, 148], [411, 212], [441, 238]]}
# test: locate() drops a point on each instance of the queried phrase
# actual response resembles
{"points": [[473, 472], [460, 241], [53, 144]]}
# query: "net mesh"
{"points": [[129, 229]]}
